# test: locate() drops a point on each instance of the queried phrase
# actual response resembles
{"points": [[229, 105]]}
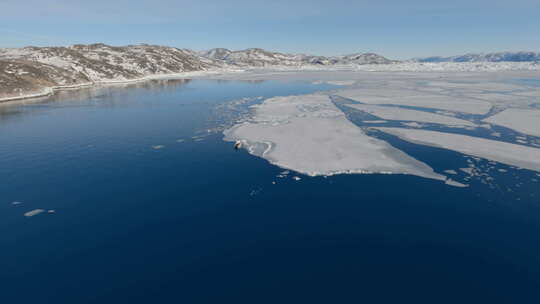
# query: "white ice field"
{"points": [[311, 135]]}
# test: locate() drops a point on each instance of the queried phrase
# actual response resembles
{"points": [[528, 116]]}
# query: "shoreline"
{"points": [[396, 68], [50, 91]]}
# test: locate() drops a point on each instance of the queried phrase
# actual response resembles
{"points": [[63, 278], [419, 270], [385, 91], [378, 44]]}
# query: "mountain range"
{"points": [[36, 71], [258, 57], [30, 70], [486, 57]]}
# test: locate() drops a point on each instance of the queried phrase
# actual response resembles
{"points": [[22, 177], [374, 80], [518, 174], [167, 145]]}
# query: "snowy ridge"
{"points": [[255, 57], [30, 70], [37, 71], [488, 57]]}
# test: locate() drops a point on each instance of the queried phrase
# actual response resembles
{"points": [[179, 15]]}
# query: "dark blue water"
{"points": [[153, 207]]}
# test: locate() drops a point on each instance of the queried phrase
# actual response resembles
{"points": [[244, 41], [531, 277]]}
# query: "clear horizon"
{"points": [[393, 29]]}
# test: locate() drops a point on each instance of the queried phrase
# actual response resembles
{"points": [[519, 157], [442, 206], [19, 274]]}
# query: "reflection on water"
{"points": [[106, 95]]}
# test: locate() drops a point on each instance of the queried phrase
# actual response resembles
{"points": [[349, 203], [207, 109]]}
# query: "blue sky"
{"points": [[397, 29]]}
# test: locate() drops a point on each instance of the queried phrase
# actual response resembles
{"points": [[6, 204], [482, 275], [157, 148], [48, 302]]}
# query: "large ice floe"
{"points": [[309, 134], [526, 121], [506, 153], [408, 97], [395, 113]]}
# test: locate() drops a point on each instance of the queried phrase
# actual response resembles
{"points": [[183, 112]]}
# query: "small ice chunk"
{"points": [[283, 174], [16, 203], [467, 170], [341, 82], [158, 147], [452, 182], [296, 178], [412, 124], [51, 211], [453, 172], [374, 121], [34, 212]]}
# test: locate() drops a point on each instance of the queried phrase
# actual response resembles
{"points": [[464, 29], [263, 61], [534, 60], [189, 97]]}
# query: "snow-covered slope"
{"points": [[216, 54], [489, 57], [99, 62], [260, 58], [38, 68], [23, 78], [33, 71]]}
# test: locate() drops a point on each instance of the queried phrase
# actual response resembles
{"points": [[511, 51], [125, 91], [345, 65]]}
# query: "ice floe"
{"points": [[341, 82], [310, 135], [412, 124], [522, 120], [34, 212], [374, 121], [395, 113], [506, 153], [452, 182], [409, 97]]}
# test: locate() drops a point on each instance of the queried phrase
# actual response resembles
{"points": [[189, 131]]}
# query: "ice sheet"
{"points": [[408, 97], [395, 113], [506, 153], [309, 134], [523, 120]]}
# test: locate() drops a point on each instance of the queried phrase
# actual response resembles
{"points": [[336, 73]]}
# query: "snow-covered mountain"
{"points": [[255, 57], [488, 57], [37, 70], [31, 69], [98, 62], [216, 54], [362, 58]]}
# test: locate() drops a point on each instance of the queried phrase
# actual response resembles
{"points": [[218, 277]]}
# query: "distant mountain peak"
{"points": [[486, 57], [262, 57]]}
